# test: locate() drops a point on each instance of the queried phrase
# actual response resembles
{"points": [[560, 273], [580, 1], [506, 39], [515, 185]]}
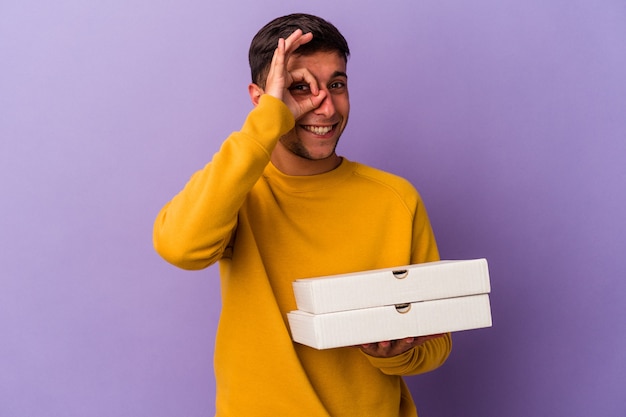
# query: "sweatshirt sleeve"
{"points": [[424, 358], [193, 230]]}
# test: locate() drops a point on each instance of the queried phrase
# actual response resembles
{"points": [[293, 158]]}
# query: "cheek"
{"points": [[345, 112], [343, 105], [290, 137]]}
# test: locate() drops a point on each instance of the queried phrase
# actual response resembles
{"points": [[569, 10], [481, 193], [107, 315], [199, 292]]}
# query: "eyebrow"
{"points": [[339, 74]]}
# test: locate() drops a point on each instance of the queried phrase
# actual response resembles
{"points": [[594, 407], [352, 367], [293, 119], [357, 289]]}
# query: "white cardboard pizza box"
{"points": [[355, 327], [403, 284]]}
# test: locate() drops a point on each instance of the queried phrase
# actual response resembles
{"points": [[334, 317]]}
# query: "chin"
{"points": [[317, 154], [324, 156]]}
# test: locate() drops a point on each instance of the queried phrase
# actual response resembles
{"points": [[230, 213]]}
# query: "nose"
{"points": [[327, 107]]}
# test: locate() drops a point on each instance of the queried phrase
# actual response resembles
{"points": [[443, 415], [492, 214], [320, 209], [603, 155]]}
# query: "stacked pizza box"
{"points": [[391, 303]]}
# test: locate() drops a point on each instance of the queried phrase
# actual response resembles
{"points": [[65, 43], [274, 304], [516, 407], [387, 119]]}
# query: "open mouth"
{"points": [[318, 130]]}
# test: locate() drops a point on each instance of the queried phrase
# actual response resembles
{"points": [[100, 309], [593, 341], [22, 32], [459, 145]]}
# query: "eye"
{"points": [[300, 89], [337, 86]]}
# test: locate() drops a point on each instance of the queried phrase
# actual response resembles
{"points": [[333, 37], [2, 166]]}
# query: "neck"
{"points": [[292, 164]]}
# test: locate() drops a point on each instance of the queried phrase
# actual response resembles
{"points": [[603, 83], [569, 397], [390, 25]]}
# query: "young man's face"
{"points": [[317, 132]]}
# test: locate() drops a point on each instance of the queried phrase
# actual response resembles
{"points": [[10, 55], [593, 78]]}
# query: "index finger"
{"points": [[304, 75]]}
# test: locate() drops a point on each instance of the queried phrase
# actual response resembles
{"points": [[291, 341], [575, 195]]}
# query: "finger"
{"points": [[291, 39], [305, 106], [294, 35], [296, 39], [403, 345], [423, 339], [275, 82], [278, 56], [373, 349], [304, 75], [384, 344], [316, 100]]}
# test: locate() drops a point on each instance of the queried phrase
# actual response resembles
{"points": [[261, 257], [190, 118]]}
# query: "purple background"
{"points": [[509, 117]]}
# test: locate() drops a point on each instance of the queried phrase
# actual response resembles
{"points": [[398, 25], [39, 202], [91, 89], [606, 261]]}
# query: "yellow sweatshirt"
{"points": [[266, 229]]}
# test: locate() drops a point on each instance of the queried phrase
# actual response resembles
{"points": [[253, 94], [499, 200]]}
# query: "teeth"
{"points": [[319, 130]]}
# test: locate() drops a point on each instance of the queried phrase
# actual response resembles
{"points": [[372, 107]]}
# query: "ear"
{"points": [[255, 93]]}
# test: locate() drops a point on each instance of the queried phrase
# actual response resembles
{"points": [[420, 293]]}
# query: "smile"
{"points": [[318, 130]]}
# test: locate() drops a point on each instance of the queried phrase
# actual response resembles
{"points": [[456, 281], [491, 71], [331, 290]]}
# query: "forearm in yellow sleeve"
{"points": [[423, 358], [194, 228]]}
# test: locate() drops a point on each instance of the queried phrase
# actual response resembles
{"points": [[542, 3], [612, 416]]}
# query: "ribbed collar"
{"points": [[307, 183]]}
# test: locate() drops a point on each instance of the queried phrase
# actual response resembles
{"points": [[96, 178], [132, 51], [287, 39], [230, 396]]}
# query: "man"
{"points": [[277, 203]]}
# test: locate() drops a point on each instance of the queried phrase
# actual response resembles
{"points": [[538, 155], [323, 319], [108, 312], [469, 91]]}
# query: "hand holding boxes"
{"points": [[392, 303]]}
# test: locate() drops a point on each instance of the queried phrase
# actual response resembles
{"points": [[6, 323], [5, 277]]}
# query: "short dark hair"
{"points": [[326, 38]]}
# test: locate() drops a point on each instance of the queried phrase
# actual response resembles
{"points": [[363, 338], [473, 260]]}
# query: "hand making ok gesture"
{"points": [[279, 79]]}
